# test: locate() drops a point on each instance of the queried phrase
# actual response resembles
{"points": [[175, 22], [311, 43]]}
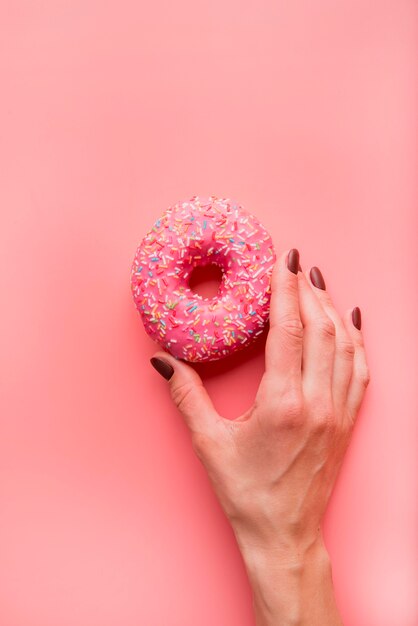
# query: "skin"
{"points": [[274, 467]]}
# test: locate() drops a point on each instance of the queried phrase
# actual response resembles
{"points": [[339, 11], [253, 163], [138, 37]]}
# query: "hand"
{"points": [[274, 467]]}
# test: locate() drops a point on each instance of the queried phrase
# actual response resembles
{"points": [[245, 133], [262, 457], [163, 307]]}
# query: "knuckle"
{"points": [[326, 328], [321, 414], [292, 327], [290, 421], [323, 422], [180, 395], [364, 377], [346, 348], [291, 409]]}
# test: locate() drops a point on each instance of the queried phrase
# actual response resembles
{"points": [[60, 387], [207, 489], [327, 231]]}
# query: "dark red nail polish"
{"points": [[293, 260], [356, 317], [162, 367], [317, 278]]}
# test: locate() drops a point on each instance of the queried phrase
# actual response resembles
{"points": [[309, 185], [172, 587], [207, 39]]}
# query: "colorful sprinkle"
{"points": [[186, 324]]}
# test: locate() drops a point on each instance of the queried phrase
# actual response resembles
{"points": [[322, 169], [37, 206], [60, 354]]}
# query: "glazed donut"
{"points": [[203, 231]]}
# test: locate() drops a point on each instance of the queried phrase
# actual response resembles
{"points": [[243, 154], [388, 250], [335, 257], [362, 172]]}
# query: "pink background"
{"points": [[304, 112]]}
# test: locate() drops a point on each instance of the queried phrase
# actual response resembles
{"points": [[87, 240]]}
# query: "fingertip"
{"points": [[317, 278], [280, 264], [292, 261], [356, 317], [166, 356], [351, 323], [283, 259], [288, 260], [162, 365]]}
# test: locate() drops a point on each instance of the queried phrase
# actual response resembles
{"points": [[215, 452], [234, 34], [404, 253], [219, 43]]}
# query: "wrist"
{"points": [[291, 582], [285, 558], [282, 548]]}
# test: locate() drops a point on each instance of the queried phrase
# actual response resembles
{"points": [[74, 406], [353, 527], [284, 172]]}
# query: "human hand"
{"points": [[274, 467]]}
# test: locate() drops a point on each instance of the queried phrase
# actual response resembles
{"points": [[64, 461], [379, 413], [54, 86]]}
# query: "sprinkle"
{"points": [[214, 327]]}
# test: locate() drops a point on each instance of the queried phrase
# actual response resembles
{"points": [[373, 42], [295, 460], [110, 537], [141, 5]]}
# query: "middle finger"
{"points": [[318, 345], [344, 348]]}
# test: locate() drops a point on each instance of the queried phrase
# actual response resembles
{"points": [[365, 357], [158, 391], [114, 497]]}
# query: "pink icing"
{"points": [[203, 231]]}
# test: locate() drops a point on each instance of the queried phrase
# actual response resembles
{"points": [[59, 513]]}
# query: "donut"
{"points": [[197, 232]]}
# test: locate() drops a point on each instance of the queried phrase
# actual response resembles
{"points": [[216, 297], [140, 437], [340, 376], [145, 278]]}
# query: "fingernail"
{"points": [[317, 278], [162, 367], [293, 260], [356, 317]]}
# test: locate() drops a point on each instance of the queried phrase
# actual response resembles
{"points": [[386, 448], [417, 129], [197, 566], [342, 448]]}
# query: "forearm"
{"points": [[291, 588]]}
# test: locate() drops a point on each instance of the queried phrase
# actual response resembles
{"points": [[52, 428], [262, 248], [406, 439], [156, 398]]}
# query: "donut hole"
{"points": [[205, 280]]}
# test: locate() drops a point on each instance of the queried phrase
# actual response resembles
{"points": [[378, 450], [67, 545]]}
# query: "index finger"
{"points": [[285, 338]]}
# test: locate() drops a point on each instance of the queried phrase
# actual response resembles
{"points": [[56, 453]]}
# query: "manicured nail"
{"points": [[356, 317], [293, 260], [162, 367], [317, 278]]}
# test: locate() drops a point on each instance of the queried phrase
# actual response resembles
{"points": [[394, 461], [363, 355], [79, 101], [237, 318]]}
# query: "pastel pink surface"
{"points": [[305, 112]]}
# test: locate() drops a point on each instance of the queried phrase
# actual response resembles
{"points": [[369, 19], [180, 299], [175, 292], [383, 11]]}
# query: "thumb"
{"points": [[187, 392]]}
